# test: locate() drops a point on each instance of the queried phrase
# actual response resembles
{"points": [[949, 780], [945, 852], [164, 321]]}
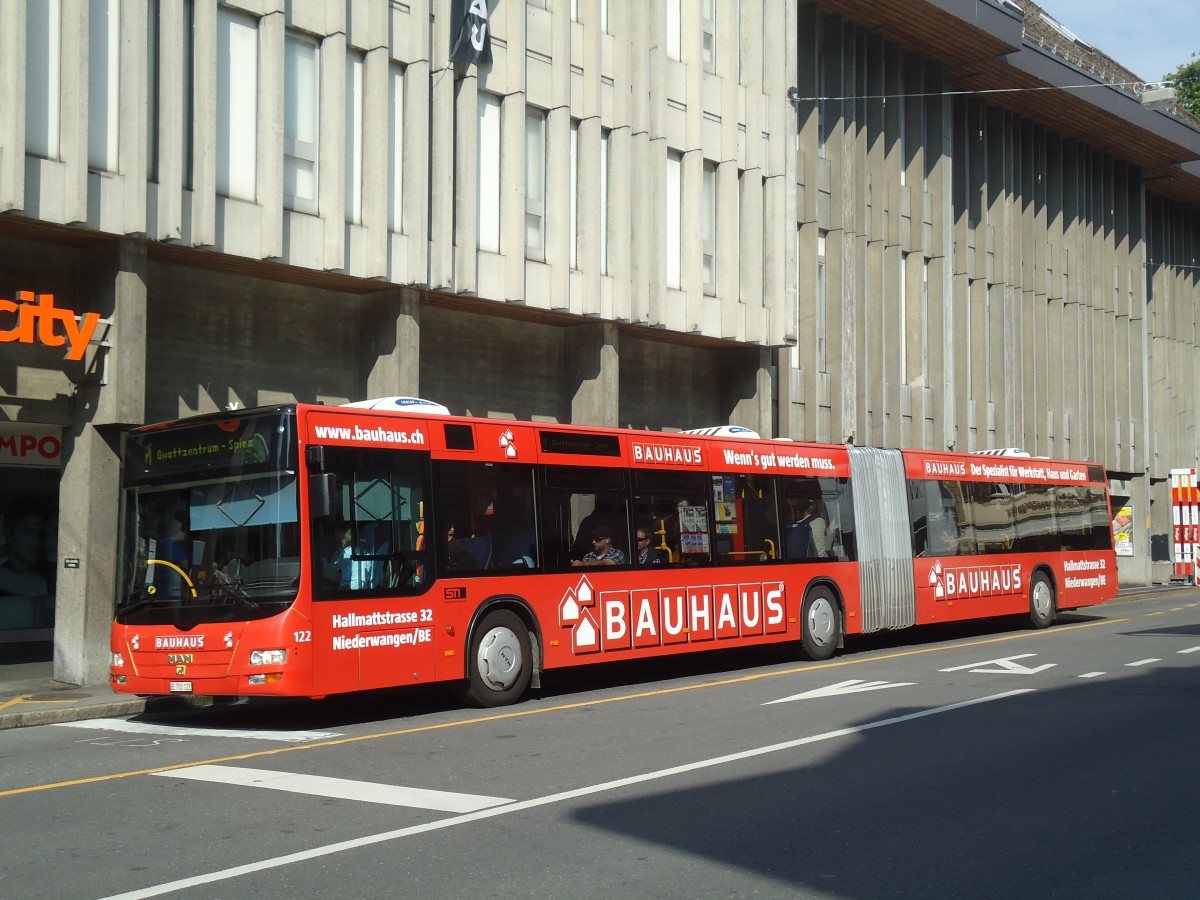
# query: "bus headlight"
{"points": [[118, 660], [268, 657]]}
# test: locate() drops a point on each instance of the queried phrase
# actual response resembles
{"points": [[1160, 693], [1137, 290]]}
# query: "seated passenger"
{"points": [[603, 553], [807, 537], [647, 553]]}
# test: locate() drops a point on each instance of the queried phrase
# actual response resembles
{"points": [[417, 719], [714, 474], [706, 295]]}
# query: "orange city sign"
{"points": [[36, 318]]}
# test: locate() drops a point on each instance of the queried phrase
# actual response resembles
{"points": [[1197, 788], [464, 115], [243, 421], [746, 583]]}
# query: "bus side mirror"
{"points": [[322, 492]]}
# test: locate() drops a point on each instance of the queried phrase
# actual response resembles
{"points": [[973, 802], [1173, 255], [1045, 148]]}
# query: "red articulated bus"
{"points": [[306, 550]]}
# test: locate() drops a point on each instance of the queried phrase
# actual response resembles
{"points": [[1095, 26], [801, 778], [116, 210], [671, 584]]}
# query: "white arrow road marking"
{"points": [[853, 686], [342, 788], [1007, 666]]}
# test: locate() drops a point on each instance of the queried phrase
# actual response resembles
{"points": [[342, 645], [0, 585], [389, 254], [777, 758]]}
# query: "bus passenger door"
{"points": [[373, 617]]}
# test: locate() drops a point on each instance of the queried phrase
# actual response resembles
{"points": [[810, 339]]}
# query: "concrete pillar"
{"points": [[88, 501], [748, 379], [111, 395], [391, 332], [592, 371]]}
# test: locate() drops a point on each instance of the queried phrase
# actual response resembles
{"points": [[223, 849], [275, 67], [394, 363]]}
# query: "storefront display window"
{"points": [[28, 538]]}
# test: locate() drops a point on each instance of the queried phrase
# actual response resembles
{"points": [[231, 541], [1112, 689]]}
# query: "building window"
{"points": [[153, 56], [43, 36], [301, 122], [709, 22], [396, 147], [605, 149], [902, 316], [488, 173], [178, 51], [709, 224], [574, 240], [355, 64], [822, 110], [674, 175], [104, 83], [821, 304], [535, 184], [673, 39], [237, 104], [925, 321]]}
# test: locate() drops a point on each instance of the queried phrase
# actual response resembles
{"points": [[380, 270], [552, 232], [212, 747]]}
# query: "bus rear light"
{"points": [[118, 661], [268, 657]]}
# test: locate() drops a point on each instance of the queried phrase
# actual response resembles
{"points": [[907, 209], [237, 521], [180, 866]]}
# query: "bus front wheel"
{"points": [[500, 660], [1041, 601], [820, 624]]}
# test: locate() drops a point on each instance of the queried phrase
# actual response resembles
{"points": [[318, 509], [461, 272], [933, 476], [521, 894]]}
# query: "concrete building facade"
{"points": [[902, 224]]}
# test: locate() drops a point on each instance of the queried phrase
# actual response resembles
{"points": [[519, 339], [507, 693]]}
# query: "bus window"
{"points": [[989, 510], [575, 502], [1082, 518], [818, 518], [673, 506], [485, 517], [935, 509], [746, 526], [369, 546], [1033, 518]]}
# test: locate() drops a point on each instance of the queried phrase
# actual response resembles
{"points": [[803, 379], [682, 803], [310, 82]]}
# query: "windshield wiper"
{"points": [[235, 592]]}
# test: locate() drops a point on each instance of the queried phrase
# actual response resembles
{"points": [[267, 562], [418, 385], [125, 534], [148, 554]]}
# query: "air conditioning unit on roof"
{"points": [[402, 404]]}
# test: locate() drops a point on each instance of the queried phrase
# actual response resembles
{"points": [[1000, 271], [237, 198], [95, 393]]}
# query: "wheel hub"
{"points": [[499, 659], [1041, 599], [821, 621]]}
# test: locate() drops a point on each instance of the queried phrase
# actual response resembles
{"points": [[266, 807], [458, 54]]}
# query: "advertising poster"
{"points": [[1122, 526]]}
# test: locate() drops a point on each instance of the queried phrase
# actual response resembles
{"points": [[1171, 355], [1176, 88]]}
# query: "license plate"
{"points": [[181, 687]]}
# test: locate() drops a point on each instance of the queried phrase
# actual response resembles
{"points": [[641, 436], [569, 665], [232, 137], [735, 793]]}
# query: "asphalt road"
{"points": [[981, 761]]}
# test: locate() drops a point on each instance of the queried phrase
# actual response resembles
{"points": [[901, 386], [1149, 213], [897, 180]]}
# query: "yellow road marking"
{"points": [[517, 714], [14, 701]]}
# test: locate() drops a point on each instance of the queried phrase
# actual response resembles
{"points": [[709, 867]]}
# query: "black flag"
{"points": [[470, 32]]}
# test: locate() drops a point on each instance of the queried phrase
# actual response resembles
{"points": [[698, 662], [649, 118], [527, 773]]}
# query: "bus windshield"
{"points": [[210, 522]]}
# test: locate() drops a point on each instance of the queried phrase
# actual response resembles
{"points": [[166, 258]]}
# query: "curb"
{"points": [[132, 706]]}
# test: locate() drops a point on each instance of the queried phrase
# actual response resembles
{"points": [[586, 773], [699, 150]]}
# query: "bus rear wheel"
{"points": [[820, 624], [1041, 601], [500, 660]]}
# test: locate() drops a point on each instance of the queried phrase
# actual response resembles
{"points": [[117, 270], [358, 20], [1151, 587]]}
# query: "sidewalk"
{"points": [[29, 695]]}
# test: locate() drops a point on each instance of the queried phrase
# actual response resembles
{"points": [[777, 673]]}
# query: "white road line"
{"points": [[1091, 674], [853, 686], [1142, 662], [290, 737], [520, 806], [1188, 650], [342, 788]]}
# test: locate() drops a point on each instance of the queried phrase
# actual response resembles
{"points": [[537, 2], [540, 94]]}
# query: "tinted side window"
{"points": [[485, 518], [575, 502]]}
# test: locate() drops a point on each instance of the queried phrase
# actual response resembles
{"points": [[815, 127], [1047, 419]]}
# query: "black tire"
{"points": [[500, 660], [1043, 605], [820, 624]]}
